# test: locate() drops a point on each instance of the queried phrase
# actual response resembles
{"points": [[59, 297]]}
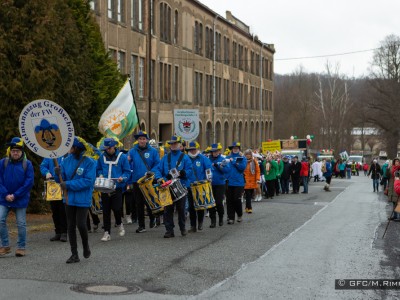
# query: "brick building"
{"points": [[181, 54]]}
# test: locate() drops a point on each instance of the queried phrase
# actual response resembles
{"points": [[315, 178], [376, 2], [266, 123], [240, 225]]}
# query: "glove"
{"points": [[169, 177], [48, 175], [57, 171], [182, 174], [159, 181], [63, 185], [149, 174]]}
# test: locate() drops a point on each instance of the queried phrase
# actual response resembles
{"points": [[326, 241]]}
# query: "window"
{"points": [[153, 17], [113, 54], [226, 51], [120, 11], [141, 78], [226, 93], [121, 61], [198, 88], [209, 90], [137, 14], [198, 38], [165, 81], [209, 43], [240, 58], [218, 46], [176, 27], [165, 23], [234, 51], [176, 83]]}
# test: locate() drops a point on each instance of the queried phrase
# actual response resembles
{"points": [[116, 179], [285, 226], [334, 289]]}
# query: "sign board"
{"points": [[46, 128], [271, 146], [186, 123]]}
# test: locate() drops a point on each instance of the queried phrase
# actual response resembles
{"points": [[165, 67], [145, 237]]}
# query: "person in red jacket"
{"points": [[304, 172]]}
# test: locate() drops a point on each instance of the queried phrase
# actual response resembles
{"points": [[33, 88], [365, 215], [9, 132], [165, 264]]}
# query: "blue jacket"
{"points": [[235, 176], [47, 166], [199, 166], [16, 181], [163, 169], [79, 187], [120, 169], [328, 172], [219, 172], [137, 165]]}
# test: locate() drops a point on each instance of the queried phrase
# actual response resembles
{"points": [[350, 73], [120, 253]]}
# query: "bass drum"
{"points": [[202, 195]]}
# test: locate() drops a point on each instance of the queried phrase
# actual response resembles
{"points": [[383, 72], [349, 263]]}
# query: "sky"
{"points": [[317, 28]]}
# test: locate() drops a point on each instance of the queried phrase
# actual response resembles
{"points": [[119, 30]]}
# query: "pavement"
{"points": [[291, 247]]}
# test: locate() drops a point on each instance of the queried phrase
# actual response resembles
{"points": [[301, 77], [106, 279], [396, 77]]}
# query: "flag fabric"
{"points": [[120, 118]]}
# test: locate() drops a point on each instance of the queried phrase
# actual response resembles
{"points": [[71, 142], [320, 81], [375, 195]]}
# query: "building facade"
{"points": [[181, 54]]}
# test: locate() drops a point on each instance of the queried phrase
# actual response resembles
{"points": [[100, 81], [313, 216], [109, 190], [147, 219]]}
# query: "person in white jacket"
{"points": [[316, 170]]}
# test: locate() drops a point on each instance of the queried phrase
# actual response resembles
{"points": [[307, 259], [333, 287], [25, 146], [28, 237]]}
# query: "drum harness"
{"points": [[110, 163], [178, 161], [143, 159]]}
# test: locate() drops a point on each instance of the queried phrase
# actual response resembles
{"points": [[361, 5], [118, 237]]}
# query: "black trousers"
{"points": [[218, 193], [76, 217], [249, 195], [130, 204], [270, 188], [195, 215], [296, 183], [140, 204], [169, 215], [112, 202], [59, 216], [234, 201]]}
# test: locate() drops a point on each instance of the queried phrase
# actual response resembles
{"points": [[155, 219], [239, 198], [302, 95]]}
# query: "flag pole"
{"points": [[134, 101]]}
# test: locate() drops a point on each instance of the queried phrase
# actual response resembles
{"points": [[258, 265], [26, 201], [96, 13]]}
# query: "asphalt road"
{"points": [[291, 247]]}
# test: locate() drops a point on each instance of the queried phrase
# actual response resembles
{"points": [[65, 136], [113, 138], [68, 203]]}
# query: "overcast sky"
{"points": [[317, 27]]}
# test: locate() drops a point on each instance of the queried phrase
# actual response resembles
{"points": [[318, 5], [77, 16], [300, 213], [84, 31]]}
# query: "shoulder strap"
{"points": [[177, 163], [194, 170], [143, 159], [24, 163], [76, 169]]}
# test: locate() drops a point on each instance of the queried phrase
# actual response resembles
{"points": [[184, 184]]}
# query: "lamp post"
{"points": [[214, 92]]}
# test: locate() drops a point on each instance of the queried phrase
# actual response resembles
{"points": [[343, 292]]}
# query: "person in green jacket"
{"points": [[279, 161], [270, 175]]}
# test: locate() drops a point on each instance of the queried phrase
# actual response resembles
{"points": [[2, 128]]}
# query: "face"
{"points": [[110, 150], [193, 151], [142, 141], [235, 150], [215, 153], [175, 146], [397, 162], [16, 154], [249, 155]]}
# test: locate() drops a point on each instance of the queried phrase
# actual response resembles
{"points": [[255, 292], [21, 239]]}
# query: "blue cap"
{"points": [[215, 147], [234, 144], [141, 133], [109, 142], [78, 144], [16, 142], [193, 146], [174, 139]]}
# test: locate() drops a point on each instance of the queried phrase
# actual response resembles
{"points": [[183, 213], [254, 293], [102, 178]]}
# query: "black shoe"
{"points": [[86, 252], [213, 225], [140, 230], [200, 227], [55, 238], [192, 229], [230, 222], [169, 235], [63, 237], [73, 259], [183, 232]]}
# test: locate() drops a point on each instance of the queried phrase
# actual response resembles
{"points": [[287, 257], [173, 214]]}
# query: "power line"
{"points": [[327, 55]]}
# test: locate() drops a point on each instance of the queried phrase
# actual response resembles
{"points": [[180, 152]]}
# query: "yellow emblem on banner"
{"points": [[53, 191]]}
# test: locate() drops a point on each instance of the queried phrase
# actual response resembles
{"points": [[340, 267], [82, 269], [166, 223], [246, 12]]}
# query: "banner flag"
{"points": [[120, 118]]}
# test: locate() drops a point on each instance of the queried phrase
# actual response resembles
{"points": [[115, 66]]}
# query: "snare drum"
{"points": [[151, 194], [104, 185], [202, 195], [178, 191]]}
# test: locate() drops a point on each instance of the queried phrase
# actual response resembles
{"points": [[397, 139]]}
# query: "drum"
{"points": [[52, 191], [202, 195], [104, 185], [178, 191], [151, 194]]}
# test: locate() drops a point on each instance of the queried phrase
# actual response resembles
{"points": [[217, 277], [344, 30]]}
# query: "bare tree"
{"points": [[385, 91]]}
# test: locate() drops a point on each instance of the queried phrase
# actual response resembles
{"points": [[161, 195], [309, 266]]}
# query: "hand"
{"points": [[10, 198], [120, 179], [182, 174], [48, 175], [149, 174], [63, 185], [57, 171], [159, 180], [169, 177]]}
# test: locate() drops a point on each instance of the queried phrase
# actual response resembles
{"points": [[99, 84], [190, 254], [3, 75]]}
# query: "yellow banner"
{"points": [[271, 146]]}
